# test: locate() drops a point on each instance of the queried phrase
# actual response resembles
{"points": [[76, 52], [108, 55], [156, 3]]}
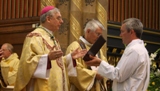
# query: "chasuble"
{"points": [[12, 63], [35, 49]]}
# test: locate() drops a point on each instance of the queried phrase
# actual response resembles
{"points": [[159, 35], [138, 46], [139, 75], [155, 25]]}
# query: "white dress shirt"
{"points": [[132, 71]]}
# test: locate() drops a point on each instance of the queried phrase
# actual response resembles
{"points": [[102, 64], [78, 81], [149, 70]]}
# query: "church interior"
{"points": [[19, 17]]}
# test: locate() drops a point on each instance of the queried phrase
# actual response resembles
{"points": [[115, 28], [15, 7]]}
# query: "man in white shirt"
{"points": [[133, 69]]}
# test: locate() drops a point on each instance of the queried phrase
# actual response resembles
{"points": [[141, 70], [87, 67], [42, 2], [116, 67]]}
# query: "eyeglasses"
{"points": [[59, 18], [98, 34]]}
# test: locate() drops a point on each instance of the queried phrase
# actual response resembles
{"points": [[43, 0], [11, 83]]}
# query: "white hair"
{"points": [[93, 25]]}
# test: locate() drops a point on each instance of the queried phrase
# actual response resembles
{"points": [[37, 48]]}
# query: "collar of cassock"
{"points": [[48, 31], [85, 41]]}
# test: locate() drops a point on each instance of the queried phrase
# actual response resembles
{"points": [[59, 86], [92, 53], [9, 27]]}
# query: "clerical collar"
{"points": [[85, 41], [48, 31]]}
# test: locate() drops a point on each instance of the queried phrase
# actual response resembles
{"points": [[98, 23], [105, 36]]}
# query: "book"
{"points": [[95, 48]]}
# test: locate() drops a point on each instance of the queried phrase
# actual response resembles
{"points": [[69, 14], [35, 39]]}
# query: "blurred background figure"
{"points": [[9, 64]]}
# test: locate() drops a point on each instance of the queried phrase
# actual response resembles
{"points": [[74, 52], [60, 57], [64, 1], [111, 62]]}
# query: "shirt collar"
{"points": [[135, 41], [85, 41]]}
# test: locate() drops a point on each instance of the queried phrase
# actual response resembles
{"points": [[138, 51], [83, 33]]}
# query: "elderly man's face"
{"points": [[56, 21], [92, 36], [6, 53]]}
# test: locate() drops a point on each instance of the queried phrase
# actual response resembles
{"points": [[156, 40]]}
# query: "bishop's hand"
{"points": [[78, 53], [55, 53]]}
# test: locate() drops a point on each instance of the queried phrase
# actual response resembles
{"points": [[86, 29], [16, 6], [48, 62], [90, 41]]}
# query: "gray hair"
{"points": [[9, 47], [49, 13], [93, 25], [135, 24]]}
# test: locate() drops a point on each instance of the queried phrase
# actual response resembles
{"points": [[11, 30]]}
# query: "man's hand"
{"points": [[78, 53], [1, 56], [54, 54], [94, 62]]}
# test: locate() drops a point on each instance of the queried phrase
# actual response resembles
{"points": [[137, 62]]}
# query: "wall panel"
{"points": [[14, 31], [16, 19], [11, 9], [148, 11]]}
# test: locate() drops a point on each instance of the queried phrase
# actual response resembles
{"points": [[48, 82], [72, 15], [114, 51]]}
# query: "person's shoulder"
{"points": [[36, 32], [2, 61], [139, 49], [73, 45]]}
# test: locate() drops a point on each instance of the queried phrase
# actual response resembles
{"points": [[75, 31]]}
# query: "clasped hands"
{"points": [[56, 53]]}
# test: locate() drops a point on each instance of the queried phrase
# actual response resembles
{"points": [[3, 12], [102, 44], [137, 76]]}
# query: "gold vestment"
{"points": [[11, 66], [85, 76], [36, 44]]}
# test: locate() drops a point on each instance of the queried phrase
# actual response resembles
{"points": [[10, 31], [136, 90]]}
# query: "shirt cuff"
{"points": [[70, 65], [41, 71], [101, 69]]}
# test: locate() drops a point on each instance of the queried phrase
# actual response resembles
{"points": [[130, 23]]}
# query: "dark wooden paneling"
{"points": [[140, 13], [17, 25], [122, 10], [11, 9], [21, 14], [4, 9], [35, 10], [30, 8], [111, 10], [16, 19], [115, 18], [13, 22], [157, 16], [1, 9], [119, 10], [14, 31], [148, 11], [14, 38], [151, 38], [18, 49], [26, 8]]}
